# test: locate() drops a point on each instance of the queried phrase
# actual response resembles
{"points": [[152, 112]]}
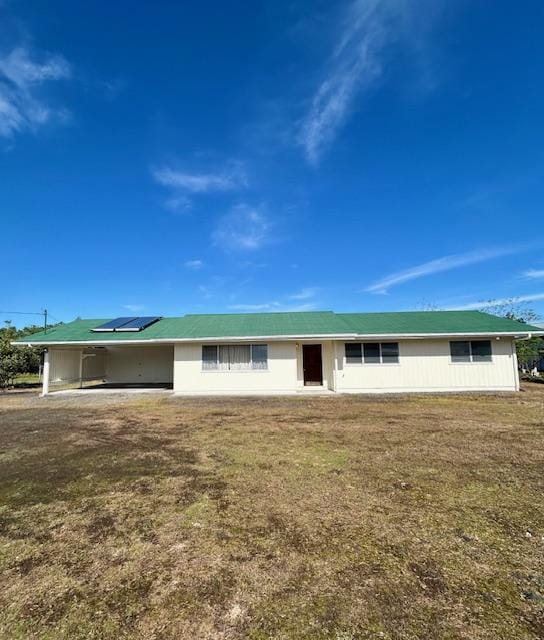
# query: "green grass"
{"points": [[26, 380], [308, 518]]}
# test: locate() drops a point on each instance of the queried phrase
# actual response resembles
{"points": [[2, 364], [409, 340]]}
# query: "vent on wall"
{"points": [[127, 324]]}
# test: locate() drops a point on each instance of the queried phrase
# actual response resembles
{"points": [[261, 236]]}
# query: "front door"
{"points": [[312, 365]]}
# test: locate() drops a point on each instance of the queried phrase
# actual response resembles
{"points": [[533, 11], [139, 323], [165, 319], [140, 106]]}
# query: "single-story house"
{"points": [[273, 353]]}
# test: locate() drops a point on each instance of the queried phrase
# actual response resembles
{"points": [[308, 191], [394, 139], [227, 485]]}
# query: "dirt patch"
{"points": [[251, 518]]}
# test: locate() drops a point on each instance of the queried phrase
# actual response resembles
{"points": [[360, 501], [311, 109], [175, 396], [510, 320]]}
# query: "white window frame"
{"points": [[372, 364], [250, 369], [471, 356]]}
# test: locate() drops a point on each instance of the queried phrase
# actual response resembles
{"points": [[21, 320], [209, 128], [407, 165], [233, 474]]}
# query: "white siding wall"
{"points": [[94, 366], [425, 365], [281, 375], [139, 364], [64, 364]]}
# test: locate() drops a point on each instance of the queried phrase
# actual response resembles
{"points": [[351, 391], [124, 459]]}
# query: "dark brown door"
{"points": [[312, 364]]}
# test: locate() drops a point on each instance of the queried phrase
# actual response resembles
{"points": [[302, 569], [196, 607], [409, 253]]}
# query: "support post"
{"points": [[45, 374], [81, 369], [515, 363], [334, 367]]}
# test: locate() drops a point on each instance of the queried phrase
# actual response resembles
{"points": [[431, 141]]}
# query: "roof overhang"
{"points": [[341, 336]]}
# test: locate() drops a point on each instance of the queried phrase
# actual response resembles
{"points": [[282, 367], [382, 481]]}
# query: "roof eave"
{"points": [[337, 336], [320, 336]]}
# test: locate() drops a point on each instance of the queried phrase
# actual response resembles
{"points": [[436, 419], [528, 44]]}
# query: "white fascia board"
{"points": [[422, 336], [211, 339], [340, 336]]}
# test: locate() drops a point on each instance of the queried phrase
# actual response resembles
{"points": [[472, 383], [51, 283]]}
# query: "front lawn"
{"points": [[334, 517]]}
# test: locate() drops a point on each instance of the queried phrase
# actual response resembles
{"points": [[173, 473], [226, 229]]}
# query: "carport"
{"points": [[109, 367]]}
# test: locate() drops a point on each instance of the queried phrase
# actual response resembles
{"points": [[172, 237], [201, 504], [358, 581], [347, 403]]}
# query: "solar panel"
{"points": [[112, 325], [137, 324]]}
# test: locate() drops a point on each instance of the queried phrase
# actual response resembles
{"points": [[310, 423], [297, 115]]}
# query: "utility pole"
{"points": [[43, 313]]}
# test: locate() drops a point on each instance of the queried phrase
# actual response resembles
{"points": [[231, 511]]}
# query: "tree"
{"points": [[17, 360], [529, 351]]}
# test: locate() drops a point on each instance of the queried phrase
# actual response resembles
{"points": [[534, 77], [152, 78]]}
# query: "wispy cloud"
{"points": [[134, 308], [182, 183], [233, 178], [446, 263], [367, 32], [193, 265], [244, 228], [304, 294], [482, 304], [271, 306], [354, 65], [205, 291], [265, 306], [179, 203], [300, 301], [22, 106], [533, 274]]}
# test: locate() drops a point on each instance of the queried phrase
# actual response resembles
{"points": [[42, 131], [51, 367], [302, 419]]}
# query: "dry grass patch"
{"points": [[334, 517]]}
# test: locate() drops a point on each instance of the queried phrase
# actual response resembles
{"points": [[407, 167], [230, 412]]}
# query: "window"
{"points": [[259, 356], [481, 350], [470, 351], [209, 356], [460, 351], [354, 352], [390, 352], [372, 352], [234, 357]]}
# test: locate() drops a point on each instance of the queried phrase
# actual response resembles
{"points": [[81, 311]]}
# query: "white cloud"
{"points": [[194, 265], [304, 294], [21, 104], [179, 203], [447, 263], [533, 274], [205, 291], [203, 182], [244, 228], [354, 65], [369, 29], [301, 303], [482, 304], [265, 306], [270, 306], [181, 183], [134, 308]]}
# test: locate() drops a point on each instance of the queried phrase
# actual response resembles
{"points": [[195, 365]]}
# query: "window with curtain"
{"points": [[259, 356], [234, 357], [209, 356], [471, 351]]}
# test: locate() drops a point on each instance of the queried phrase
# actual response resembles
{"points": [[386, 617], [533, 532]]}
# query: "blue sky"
{"points": [[169, 158]]}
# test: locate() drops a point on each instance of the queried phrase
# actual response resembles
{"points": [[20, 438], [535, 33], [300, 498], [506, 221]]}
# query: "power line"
{"points": [[26, 313], [31, 313]]}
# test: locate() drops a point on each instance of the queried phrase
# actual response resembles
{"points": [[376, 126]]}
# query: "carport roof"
{"points": [[290, 324]]}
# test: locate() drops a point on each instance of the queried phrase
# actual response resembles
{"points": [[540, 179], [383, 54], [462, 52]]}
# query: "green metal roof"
{"points": [[432, 322], [292, 324]]}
